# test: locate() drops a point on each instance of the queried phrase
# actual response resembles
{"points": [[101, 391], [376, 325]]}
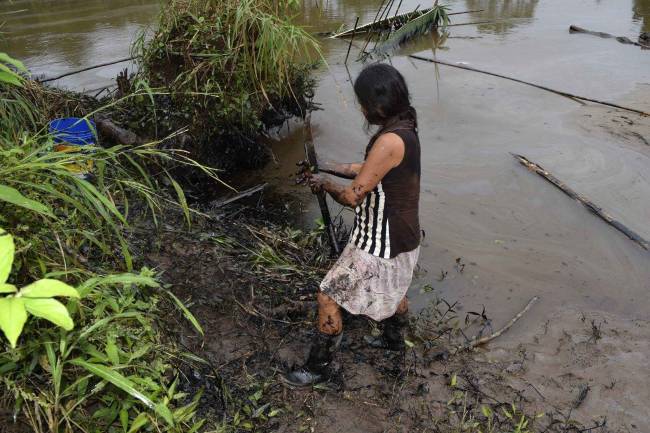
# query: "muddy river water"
{"points": [[517, 235]]}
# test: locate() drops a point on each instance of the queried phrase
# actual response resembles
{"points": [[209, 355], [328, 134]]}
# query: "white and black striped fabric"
{"points": [[371, 231]]}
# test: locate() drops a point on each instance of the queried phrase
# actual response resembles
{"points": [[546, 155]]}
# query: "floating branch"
{"points": [[387, 24], [621, 39], [576, 98], [78, 71], [436, 16], [596, 210]]}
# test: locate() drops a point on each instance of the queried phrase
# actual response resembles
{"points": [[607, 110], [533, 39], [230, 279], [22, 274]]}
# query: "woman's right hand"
{"points": [[304, 172]]}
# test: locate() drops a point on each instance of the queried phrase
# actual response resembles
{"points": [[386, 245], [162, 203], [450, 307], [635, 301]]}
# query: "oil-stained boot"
{"points": [[392, 336], [316, 369]]}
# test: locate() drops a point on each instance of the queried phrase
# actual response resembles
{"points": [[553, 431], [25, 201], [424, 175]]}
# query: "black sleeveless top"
{"points": [[387, 222]]}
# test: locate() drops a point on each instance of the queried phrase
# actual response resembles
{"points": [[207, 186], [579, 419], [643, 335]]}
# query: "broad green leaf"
{"points": [[13, 196], [140, 421], [113, 376], [124, 419], [11, 78], [139, 280], [7, 249], [4, 58], [7, 288], [112, 352], [47, 288], [188, 315], [49, 309], [165, 413], [12, 318]]}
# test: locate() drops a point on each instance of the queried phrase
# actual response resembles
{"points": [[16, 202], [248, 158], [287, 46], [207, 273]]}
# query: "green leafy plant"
{"points": [[436, 17], [111, 372], [11, 70], [228, 69], [36, 298]]}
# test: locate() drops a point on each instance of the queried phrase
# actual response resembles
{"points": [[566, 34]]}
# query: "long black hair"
{"points": [[382, 92]]}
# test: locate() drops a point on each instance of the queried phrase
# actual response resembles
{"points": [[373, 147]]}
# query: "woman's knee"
{"points": [[403, 306], [330, 320]]}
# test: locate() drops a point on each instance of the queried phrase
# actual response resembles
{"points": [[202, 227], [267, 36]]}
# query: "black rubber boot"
{"points": [[392, 336], [316, 369]]}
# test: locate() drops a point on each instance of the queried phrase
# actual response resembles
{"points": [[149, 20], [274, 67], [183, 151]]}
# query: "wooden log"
{"points": [[591, 206], [621, 39], [122, 136], [576, 98]]}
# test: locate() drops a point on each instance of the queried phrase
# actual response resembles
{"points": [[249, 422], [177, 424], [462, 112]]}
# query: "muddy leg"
{"points": [[330, 326], [392, 337], [330, 320]]}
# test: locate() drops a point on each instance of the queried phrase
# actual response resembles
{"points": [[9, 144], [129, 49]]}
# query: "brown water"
{"points": [[518, 235]]}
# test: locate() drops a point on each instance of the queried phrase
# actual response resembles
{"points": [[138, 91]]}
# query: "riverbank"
{"points": [[251, 281], [580, 368]]}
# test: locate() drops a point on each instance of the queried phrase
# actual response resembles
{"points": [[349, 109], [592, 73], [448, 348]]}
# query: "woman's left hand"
{"points": [[316, 183]]}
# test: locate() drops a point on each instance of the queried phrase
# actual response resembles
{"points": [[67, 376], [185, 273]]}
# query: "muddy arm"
{"points": [[344, 170]]}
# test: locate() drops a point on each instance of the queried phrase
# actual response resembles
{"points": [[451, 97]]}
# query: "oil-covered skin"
{"points": [[348, 170], [386, 153]]}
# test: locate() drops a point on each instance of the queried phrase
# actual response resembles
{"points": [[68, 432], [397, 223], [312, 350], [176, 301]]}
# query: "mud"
{"points": [[576, 368]]}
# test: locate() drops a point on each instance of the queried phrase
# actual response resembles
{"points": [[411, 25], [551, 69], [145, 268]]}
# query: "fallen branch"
{"points": [[596, 210], [576, 98], [476, 341], [246, 193], [621, 39], [78, 71]]}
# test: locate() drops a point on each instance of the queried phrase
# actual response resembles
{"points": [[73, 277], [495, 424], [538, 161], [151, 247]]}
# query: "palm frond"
{"points": [[436, 17]]}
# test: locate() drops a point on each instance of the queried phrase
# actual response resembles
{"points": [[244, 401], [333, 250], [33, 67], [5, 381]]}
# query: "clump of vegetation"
{"points": [[227, 70], [108, 366], [107, 373]]}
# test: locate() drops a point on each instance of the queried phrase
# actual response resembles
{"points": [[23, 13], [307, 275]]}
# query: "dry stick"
{"points": [[598, 211], [351, 40], [475, 342], [101, 65], [383, 17], [246, 193], [399, 5], [576, 98], [621, 39], [372, 24]]}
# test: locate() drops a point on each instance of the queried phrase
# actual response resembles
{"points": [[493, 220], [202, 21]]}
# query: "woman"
{"points": [[376, 267]]}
